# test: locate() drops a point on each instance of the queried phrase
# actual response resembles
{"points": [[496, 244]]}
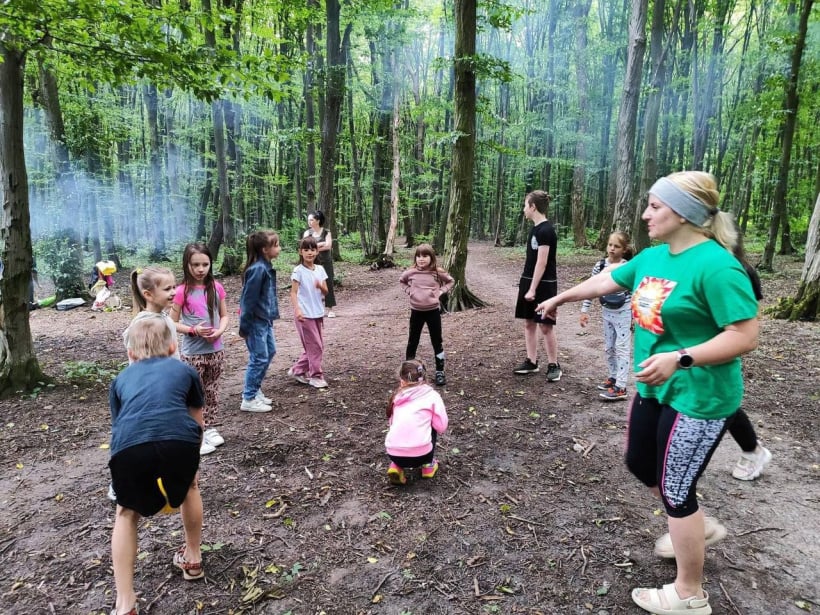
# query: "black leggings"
{"points": [[418, 318], [743, 432], [415, 462], [669, 450]]}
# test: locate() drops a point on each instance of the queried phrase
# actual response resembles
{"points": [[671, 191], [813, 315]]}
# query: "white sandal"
{"points": [[675, 605]]}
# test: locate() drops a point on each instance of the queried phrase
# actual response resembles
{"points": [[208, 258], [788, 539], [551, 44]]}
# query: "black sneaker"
{"points": [[606, 384], [554, 372], [613, 394], [441, 379], [527, 367]]}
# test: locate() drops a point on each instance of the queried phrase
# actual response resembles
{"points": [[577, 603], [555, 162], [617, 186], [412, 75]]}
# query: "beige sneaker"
{"points": [[713, 531]]}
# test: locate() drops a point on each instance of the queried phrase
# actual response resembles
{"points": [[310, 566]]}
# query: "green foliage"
{"points": [[92, 372], [62, 256]]}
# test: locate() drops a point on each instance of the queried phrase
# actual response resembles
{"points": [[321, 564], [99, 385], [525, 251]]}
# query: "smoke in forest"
{"points": [[130, 210]]}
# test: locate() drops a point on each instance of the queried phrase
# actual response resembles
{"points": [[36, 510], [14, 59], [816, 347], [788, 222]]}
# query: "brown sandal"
{"points": [[191, 571]]}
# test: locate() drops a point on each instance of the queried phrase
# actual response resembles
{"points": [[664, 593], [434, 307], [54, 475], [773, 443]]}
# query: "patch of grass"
{"points": [[92, 372]]}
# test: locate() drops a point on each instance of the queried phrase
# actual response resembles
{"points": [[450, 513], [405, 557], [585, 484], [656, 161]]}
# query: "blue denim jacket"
{"points": [[258, 299]]}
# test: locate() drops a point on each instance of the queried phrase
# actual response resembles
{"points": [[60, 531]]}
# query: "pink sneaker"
{"points": [[428, 470], [396, 475]]}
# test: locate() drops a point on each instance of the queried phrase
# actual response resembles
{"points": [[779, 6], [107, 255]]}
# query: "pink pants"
{"points": [[310, 334]]}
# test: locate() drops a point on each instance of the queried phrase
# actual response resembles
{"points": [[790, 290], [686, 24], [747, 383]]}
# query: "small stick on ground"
{"points": [[760, 529], [378, 587], [523, 520], [160, 592], [731, 603]]}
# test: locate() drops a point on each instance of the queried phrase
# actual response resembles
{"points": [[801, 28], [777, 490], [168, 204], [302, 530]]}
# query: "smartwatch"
{"points": [[685, 360]]}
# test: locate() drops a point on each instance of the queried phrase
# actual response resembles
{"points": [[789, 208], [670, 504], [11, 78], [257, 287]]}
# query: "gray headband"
{"points": [[681, 202]]}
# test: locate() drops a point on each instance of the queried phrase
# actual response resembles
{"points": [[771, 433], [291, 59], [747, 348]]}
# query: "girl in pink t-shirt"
{"points": [[202, 317], [416, 415]]}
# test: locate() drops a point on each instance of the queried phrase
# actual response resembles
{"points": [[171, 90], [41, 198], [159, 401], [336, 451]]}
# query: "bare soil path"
{"points": [[532, 511]]}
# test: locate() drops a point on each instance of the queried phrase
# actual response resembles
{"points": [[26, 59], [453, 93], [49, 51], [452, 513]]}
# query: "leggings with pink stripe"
{"points": [[669, 450]]}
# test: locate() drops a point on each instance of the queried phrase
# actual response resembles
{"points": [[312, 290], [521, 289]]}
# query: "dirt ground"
{"points": [[532, 511]]}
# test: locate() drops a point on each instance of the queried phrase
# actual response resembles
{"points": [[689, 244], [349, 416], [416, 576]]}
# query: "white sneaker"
{"points": [[713, 531], [750, 465], [254, 405], [111, 495], [263, 398], [213, 437], [330, 314], [205, 448], [318, 383], [298, 377]]}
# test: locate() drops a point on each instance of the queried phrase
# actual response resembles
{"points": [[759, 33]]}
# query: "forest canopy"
{"points": [[138, 126]]}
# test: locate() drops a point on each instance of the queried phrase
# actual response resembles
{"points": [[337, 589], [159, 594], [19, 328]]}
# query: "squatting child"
{"points": [[417, 416], [156, 411]]}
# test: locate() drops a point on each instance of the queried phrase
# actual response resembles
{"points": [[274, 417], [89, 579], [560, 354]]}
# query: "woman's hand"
{"points": [[547, 308], [658, 368]]}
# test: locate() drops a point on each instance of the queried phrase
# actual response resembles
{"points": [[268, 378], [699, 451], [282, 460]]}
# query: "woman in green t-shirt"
{"points": [[695, 314]]}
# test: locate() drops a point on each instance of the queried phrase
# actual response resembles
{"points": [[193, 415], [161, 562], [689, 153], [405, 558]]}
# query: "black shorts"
{"points": [[135, 470], [546, 289]]}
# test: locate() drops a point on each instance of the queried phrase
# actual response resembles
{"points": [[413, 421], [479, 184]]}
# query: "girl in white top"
{"points": [[308, 288]]}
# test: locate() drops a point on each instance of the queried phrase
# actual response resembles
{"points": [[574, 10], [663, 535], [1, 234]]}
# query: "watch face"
{"points": [[685, 360]]}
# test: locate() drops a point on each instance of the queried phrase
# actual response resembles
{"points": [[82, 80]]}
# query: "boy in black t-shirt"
{"points": [[539, 282]]}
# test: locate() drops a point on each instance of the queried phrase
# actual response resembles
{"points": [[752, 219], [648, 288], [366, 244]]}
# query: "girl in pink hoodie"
{"points": [[416, 415]]}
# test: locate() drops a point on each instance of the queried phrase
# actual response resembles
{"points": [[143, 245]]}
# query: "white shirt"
{"points": [[311, 300]]}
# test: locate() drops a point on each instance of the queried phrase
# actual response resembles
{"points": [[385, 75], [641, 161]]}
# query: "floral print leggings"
{"points": [[209, 367]]}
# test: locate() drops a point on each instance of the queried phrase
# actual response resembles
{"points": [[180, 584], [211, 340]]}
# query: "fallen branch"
{"points": [[584, 556], [378, 587], [731, 602], [523, 520], [760, 529], [159, 593]]}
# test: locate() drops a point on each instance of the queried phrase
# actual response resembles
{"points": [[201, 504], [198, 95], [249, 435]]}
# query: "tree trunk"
{"points": [[461, 182], [66, 180], [19, 369], [779, 206], [380, 141], [627, 119], [157, 187], [355, 170], [394, 182], [231, 261], [504, 108], [704, 89], [805, 305], [310, 114], [657, 53], [334, 96], [579, 234]]}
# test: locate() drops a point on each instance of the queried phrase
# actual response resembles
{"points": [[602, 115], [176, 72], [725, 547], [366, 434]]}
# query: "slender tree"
{"points": [[627, 119], [790, 108], [461, 183]]}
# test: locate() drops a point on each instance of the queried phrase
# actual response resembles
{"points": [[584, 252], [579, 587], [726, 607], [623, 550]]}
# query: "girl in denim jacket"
{"points": [[259, 307]]}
